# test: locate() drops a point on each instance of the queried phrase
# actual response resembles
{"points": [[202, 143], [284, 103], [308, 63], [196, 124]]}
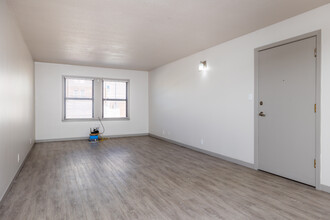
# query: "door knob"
{"points": [[262, 114]]}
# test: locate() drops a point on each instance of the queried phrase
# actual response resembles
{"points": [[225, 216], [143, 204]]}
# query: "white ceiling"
{"points": [[141, 34]]}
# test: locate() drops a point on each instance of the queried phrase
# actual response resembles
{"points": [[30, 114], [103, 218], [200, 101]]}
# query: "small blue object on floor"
{"points": [[93, 137]]}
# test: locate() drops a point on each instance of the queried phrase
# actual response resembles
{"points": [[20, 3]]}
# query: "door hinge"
{"points": [[314, 163], [315, 52], [315, 108]]}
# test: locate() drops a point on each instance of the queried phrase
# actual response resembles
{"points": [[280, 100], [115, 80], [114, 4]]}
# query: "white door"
{"points": [[286, 122]]}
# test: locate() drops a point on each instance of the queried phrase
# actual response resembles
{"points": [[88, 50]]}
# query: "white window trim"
{"points": [[97, 101]]}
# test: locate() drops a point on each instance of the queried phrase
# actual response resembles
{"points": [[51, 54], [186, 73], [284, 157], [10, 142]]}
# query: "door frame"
{"points": [[316, 34]]}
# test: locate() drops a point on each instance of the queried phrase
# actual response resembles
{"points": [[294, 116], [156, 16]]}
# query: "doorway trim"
{"points": [[316, 34]]}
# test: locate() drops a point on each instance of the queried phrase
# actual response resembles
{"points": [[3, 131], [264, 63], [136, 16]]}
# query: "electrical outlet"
{"points": [[202, 141], [18, 158]]}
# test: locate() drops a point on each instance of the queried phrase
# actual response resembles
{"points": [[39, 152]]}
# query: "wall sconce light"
{"points": [[202, 66]]}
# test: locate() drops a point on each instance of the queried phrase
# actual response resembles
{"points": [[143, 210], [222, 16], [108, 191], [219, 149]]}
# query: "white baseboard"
{"points": [[86, 138], [324, 188], [229, 159], [16, 175]]}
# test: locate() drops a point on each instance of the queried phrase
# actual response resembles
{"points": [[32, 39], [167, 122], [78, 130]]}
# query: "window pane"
{"points": [[114, 90], [79, 88], [114, 109], [79, 109]]}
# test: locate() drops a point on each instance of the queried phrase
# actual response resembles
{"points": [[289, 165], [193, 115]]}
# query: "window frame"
{"points": [[126, 100], [65, 97], [97, 101]]}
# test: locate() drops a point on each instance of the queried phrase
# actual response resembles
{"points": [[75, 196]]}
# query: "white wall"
{"points": [[49, 92], [214, 106], [16, 98]]}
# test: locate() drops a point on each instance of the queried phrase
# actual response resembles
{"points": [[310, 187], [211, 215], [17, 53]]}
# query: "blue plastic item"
{"points": [[93, 137]]}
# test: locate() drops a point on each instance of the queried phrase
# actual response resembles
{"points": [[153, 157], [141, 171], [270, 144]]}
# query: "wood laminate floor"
{"points": [[146, 178]]}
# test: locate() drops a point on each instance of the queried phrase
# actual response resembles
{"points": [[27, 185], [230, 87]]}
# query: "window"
{"points": [[114, 99], [79, 98], [93, 98]]}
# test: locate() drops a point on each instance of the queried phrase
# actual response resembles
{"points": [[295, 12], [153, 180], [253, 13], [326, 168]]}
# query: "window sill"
{"points": [[95, 119]]}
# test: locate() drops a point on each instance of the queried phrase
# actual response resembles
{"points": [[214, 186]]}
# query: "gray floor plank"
{"points": [[146, 178]]}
